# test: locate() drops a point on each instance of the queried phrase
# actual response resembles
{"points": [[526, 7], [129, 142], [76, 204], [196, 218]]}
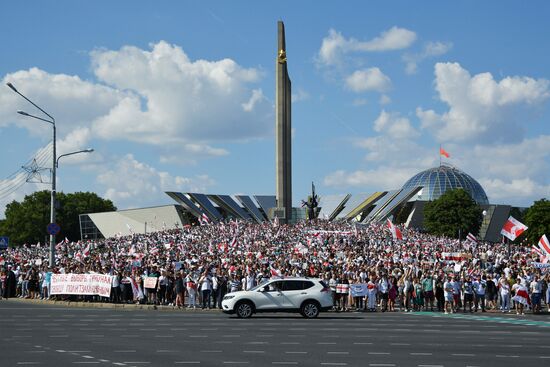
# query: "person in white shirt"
{"points": [[536, 293], [480, 284], [383, 288], [448, 290], [206, 288], [504, 291]]}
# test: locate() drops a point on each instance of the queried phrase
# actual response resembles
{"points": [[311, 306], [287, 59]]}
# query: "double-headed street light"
{"points": [[55, 162]]}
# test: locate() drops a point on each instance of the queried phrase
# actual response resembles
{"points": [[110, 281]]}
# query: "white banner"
{"points": [[358, 290], [81, 284]]}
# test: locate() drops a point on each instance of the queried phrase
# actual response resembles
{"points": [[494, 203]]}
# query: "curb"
{"points": [[116, 306]]}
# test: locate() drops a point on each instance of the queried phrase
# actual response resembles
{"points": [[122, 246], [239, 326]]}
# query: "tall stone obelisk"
{"points": [[283, 126]]}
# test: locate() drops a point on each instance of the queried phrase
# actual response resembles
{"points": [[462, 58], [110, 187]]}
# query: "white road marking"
{"points": [[503, 356], [89, 357], [35, 351], [125, 351], [333, 364], [421, 354], [400, 344], [430, 365], [463, 354], [187, 362], [360, 343], [379, 353], [326, 343], [25, 363], [284, 363], [337, 352], [253, 351], [235, 362], [290, 343], [137, 362], [86, 362], [167, 351], [211, 351], [382, 364], [295, 352]]}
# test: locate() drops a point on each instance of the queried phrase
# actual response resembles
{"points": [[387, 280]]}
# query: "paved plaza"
{"points": [[49, 335]]}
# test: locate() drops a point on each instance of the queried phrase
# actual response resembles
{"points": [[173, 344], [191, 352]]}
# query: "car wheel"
{"points": [[310, 310], [244, 310]]}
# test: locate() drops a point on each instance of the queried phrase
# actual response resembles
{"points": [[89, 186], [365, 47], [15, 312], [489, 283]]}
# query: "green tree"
{"points": [[455, 211], [26, 221], [537, 219]]}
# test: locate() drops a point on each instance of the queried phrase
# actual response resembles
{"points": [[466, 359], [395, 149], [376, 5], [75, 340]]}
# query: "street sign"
{"points": [[4, 242], [53, 228]]}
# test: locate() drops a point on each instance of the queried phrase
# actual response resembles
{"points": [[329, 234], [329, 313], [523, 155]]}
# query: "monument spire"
{"points": [[283, 127]]}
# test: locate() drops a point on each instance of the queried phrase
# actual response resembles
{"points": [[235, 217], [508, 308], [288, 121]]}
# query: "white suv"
{"points": [[308, 296]]}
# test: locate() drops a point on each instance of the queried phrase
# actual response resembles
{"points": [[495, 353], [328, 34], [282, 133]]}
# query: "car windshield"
{"points": [[262, 283]]}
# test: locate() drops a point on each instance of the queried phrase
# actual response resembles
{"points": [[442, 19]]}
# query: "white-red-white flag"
{"points": [[544, 245], [537, 251], [233, 242], [274, 272], [204, 220], [395, 232], [470, 237], [86, 252], [513, 228]]}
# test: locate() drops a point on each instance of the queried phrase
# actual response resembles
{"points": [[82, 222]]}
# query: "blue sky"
{"points": [[179, 95]]}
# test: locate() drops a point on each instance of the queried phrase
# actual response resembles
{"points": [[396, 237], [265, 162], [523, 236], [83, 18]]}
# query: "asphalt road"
{"points": [[43, 335]]}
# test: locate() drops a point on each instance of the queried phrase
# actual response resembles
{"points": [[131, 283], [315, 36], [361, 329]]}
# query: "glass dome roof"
{"points": [[436, 181]]}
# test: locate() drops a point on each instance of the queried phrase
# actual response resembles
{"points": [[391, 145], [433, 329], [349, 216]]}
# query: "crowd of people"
{"points": [[365, 267]]}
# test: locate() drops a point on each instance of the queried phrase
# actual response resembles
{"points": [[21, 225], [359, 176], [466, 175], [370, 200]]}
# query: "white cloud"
{"points": [[480, 108], [395, 126], [299, 96], [514, 191], [256, 97], [334, 46], [157, 96], [174, 99], [372, 79], [129, 182], [69, 99], [384, 99], [431, 49], [383, 178]]}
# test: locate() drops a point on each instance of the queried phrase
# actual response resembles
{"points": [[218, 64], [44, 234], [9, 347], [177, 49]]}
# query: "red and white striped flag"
{"points": [[537, 251], [395, 232], [204, 220], [275, 272], [470, 237], [513, 228], [233, 242], [544, 245], [86, 252]]}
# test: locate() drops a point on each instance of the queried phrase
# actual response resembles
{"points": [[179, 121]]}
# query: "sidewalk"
{"points": [[106, 305]]}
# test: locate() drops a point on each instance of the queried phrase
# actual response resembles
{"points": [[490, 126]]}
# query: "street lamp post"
{"points": [[55, 162]]}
